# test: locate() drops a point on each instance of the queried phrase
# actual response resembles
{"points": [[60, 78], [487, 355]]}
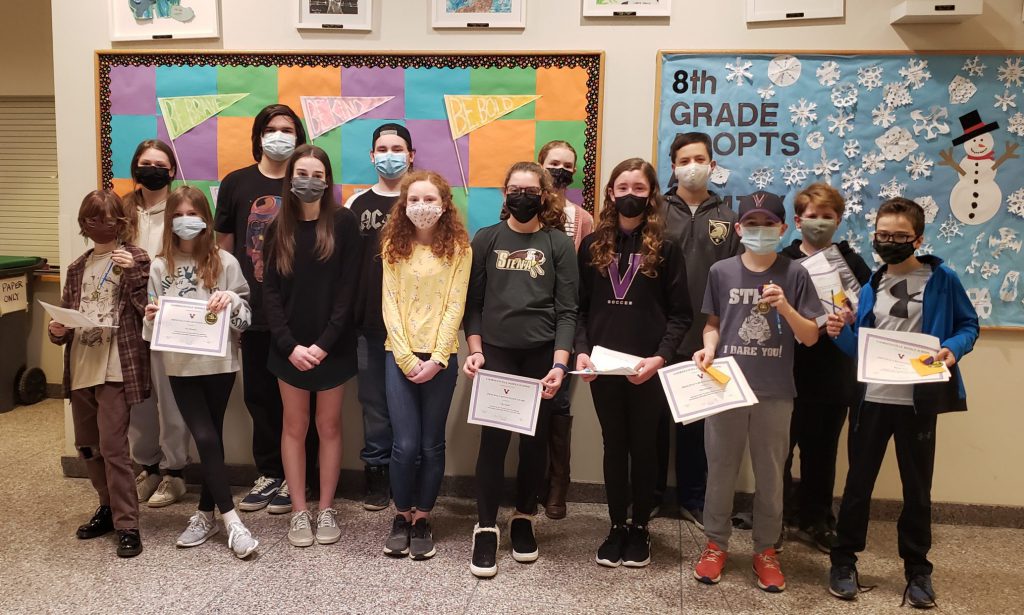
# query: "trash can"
{"points": [[18, 383]]}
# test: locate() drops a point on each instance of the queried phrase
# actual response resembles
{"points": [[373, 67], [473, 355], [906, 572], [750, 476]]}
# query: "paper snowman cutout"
{"points": [[976, 197]]}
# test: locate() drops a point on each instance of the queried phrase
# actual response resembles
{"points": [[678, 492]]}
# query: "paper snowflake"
{"points": [[1016, 126], [854, 180], [766, 92], [826, 167], [977, 243], [841, 123], [971, 267], [925, 249], [981, 298], [851, 149], [974, 67], [854, 204], [1008, 289], [852, 239], [989, 269], [915, 73], [739, 72], [1006, 101], [1015, 203], [892, 189], [930, 207], [762, 177], [815, 140], [930, 123], [844, 95], [720, 176], [870, 77], [896, 143], [883, 115], [1007, 240], [961, 90], [919, 166], [828, 73], [794, 173], [1011, 72], [870, 217], [872, 162], [896, 95], [802, 113], [950, 229]]}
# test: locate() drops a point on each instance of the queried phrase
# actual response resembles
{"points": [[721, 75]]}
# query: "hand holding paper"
{"points": [[608, 362], [896, 357], [71, 319], [694, 394]]}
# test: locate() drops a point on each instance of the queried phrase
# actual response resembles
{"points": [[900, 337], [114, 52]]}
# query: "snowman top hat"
{"points": [[973, 126]]}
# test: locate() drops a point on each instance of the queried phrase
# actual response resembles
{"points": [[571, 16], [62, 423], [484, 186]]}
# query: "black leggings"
{"points": [[533, 450], [203, 401]]}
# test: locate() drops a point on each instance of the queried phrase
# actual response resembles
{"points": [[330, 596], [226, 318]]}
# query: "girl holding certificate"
{"points": [[426, 258], [191, 265], [633, 299], [309, 285], [520, 319]]}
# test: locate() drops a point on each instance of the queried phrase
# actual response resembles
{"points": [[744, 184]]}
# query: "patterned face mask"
{"points": [[424, 215]]}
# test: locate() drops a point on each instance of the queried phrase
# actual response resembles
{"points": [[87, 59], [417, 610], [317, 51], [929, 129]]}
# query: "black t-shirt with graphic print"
{"points": [[372, 209]]}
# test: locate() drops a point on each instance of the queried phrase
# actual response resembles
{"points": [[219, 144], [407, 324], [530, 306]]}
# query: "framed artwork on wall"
{"points": [[335, 15], [478, 13], [147, 20], [627, 8], [790, 10]]}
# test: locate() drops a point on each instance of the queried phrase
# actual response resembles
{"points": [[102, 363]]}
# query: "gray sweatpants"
{"points": [[157, 434], [766, 426]]}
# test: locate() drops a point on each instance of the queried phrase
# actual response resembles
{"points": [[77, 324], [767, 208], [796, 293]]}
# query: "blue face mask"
{"points": [[761, 239], [391, 165], [188, 227]]}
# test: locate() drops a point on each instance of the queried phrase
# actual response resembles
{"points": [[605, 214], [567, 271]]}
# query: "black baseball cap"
{"points": [[762, 202], [392, 129]]}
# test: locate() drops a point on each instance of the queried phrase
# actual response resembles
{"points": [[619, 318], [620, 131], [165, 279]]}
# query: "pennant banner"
{"points": [[183, 113], [325, 113], [467, 113]]}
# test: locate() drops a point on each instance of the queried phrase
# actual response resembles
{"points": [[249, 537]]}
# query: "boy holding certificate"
{"points": [[756, 304], [909, 294]]}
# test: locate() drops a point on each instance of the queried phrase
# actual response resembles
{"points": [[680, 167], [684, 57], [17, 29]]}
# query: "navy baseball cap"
{"points": [[762, 202]]}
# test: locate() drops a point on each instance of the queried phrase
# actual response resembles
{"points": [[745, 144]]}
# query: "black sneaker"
{"points": [[610, 552], [485, 552], [637, 553], [378, 488], [397, 544], [263, 490], [843, 583], [129, 543], [693, 515], [102, 522], [281, 503], [820, 536], [421, 544], [919, 592], [524, 544]]}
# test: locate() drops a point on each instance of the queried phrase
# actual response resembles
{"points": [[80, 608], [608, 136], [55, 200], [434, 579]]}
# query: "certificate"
{"points": [[72, 319], [886, 357], [185, 325], [693, 394], [609, 362], [505, 401]]}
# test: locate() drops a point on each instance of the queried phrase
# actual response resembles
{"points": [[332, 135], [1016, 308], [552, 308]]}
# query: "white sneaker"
{"points": [[200, 528], [240, 540], [146, 484], [300, 531], [327, 531], [170, 490]]}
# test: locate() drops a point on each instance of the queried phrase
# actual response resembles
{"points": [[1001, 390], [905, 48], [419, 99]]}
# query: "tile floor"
{"points": [[44, 569]]}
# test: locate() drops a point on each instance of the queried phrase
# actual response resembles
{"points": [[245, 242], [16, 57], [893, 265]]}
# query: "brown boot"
{"points": [[559, 448]]}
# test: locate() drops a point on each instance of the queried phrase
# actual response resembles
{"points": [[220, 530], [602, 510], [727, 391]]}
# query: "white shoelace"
{"points": [[161, 489], [301, 521], [261, 483], [326, 518], [283, 491], [237, 531], [199, 523]]}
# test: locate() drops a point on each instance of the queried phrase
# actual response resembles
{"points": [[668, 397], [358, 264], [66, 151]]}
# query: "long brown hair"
{"points": [[602, 251], [552, 215], [105, 204], [134, 198], [287, 221], [204, 247], [399, 234]]}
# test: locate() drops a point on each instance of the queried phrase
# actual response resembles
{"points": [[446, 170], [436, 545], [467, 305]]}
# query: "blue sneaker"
{"points": [[282, 502], [842, 582], [920, 593], [262, 492]]}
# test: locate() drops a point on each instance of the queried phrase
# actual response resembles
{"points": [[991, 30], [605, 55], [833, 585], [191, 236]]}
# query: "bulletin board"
{"points": [[217, 95], [941, 128]]}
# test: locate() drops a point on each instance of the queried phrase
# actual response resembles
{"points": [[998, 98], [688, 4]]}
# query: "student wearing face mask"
{"points": [[633, 299], [392, 155], [426, 257], [825, 379], [247, 203], [758, 304]]}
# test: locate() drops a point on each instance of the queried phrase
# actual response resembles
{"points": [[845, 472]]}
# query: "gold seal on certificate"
{"points": [[184, 325], [887, 357], [505, 401], [694, 394]]}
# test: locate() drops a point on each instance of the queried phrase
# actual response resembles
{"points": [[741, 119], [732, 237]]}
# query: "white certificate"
{"points": [[693, 394], [72, 319], [884, 357], [609, 362], [505, 401], [185, 325]]}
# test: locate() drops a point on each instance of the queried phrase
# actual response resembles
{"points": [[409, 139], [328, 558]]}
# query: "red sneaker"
{"points": [[768, 571], [709, 568]]}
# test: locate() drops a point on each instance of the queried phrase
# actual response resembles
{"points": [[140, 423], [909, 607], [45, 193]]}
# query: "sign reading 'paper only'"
{"points": [[14, 294]]}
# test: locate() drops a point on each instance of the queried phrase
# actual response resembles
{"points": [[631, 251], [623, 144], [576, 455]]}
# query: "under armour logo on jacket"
{"points": [[903, 296]]}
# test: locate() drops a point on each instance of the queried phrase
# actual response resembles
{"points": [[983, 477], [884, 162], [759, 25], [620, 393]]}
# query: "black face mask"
{"points": [[523, 207], [893, 253], [561, 177], [630, 205], [153, 178]]}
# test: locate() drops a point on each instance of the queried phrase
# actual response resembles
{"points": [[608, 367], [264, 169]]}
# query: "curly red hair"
{"points": [[399, 233]]}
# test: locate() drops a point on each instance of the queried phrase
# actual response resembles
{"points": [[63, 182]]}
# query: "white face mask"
{"points": [[278, 146], [424, 215], [187, 227], [693, 176], [761, 239]]}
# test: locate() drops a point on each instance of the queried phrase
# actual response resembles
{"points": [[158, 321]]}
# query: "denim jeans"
{"points": [[373, 362], [419, 413]]}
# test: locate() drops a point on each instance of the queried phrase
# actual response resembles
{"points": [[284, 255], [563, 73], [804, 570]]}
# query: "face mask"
{"points": [[152, 178], [99, 233], [818, 231], [188, 227], [630, 205], [278, 145], [523, 207], [893, 253], [391, 165], [761, 239], [561, 177], [424, 215], [693, 176], [308, 189]]}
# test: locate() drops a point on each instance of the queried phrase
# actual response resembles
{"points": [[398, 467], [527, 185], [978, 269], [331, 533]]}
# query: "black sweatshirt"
{"points": [[633, 313]]}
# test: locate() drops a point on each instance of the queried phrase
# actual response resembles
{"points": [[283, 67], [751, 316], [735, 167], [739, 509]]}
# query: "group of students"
{"points": [[316, 293]]}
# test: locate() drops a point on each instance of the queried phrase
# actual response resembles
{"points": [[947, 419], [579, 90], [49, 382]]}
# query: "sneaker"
{"points": [[129, 543], [524, 544], [240, 540], [768, 571], [102, 522], [843, 582], [281, 503], [637, 553], [263, 490], [693, 515], [609, 554], [397, 544], [820, 536], [170, 490], [378, 488], [919, 592], [145, 485], [327, 530], [200, 528], [421, 544], [300, 530], [709, 568], [485, 551]]}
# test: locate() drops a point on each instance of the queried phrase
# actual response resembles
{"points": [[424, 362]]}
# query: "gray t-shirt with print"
{"points": [[898, 305]]}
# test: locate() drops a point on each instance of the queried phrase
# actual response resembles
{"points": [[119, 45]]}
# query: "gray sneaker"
{"points": [[397, 544], [300, 531], [421, 544], [200, 528], [327, 531], [240, 540]]}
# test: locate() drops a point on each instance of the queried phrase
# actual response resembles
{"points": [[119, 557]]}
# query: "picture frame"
{"points": [[483, 14], [627, 8], [794, 10], [148, 20], [355, 15]]}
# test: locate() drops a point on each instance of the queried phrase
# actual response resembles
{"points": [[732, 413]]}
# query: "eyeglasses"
{"points": [[531, 190], [885, 237]]}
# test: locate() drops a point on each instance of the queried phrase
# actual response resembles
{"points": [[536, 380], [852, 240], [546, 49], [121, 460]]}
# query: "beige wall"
{"points": [[26, 48], [978, 459]]}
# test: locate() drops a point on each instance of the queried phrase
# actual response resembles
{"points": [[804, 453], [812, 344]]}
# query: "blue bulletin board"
{"points": [[940, 128]]}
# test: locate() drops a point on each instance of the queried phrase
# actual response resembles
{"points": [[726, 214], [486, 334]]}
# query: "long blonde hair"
{"points": [[204, 247], [602, 251]]}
